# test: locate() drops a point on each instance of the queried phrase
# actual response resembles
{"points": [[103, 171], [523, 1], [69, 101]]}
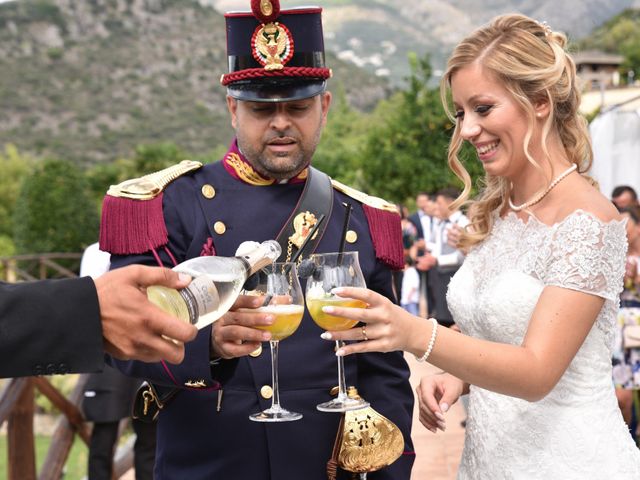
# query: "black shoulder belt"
{"points": [[317, 198]]}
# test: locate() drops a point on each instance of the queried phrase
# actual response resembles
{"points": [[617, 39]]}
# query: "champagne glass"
{"points": [[283, 299], [332, 270]]}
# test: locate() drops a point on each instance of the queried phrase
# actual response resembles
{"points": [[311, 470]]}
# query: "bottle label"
{"points": [[201, 296]]}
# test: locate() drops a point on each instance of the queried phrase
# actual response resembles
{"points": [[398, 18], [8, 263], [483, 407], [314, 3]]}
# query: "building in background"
{"points": [[598, 69]]}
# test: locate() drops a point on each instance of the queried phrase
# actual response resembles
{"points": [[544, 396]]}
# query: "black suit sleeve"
{"points": [[50, 327]]}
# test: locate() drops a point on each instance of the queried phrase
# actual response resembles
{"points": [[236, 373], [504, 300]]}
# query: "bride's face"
{"points": [[490, 119]]}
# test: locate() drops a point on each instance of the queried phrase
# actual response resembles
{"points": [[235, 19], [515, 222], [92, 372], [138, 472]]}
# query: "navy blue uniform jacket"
{"points": [[196, 440]]}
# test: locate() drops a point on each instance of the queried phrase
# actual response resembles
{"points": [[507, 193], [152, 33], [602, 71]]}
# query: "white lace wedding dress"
{"points": [[576, 431]]}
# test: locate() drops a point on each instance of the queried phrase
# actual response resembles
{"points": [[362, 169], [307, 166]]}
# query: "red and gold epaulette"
{"points": [[384, 225], [132, 218]]}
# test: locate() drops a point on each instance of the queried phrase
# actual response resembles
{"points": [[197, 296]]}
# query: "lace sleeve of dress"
{"points": [[588, 255]]}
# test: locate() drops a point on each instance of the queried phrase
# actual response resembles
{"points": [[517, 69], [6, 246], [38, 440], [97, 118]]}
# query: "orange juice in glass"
{"points": [[287, 319], [331, 322], [333, 270]]}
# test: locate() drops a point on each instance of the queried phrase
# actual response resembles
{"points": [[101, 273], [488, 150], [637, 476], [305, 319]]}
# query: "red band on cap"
{"points": [[295, 72]]}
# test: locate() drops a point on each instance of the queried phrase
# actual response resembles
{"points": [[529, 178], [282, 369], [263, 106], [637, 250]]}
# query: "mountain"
{"points": [[377, 34], [89, 80]]}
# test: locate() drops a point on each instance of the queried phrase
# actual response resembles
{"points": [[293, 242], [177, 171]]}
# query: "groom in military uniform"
{"points": [[263, 188]]}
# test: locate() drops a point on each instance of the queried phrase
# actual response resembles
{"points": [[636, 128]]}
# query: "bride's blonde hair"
{"points": [[530, 61]]}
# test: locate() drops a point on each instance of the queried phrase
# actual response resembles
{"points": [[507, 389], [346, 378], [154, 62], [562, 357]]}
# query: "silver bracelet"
{"points": [[432, 341]]}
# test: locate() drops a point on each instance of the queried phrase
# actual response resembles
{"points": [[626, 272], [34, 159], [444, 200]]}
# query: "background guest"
{"points": [[443, 260], [624, 196], [410, 290], [626, 358]]}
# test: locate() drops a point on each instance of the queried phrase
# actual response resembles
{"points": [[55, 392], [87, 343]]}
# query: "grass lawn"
{"points": [[75, 469]]}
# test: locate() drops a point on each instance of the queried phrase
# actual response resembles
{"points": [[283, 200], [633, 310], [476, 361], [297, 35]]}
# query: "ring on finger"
{"points": [[364, 333]]}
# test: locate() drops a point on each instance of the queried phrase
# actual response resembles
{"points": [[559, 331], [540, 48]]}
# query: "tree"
{"points": [[14, 167], [54, 211], [151, 158], [342, 138], [406, 150]]}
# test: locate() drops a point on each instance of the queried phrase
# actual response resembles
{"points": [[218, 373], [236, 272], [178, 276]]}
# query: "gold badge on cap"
{"points": [[272, 45], [302, 225]]}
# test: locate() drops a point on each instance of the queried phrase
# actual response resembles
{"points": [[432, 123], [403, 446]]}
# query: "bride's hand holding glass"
{"points": [[330, 271], [387, 327]]}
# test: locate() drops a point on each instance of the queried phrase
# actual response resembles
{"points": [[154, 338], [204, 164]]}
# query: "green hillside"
{"points": [[90, 80]]}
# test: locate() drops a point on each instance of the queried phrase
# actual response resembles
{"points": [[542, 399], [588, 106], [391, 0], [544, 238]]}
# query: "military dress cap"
{"points": [[275, 55]]}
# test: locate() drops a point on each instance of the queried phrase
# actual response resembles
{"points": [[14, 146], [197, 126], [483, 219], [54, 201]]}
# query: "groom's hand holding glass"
{"points": [[236, 333], [280, 290]]}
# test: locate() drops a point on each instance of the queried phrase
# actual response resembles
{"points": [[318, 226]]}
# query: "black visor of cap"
{"points": [[276, 89]]}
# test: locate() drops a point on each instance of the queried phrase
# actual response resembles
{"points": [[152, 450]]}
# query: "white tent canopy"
{"points": [[616, 148]]}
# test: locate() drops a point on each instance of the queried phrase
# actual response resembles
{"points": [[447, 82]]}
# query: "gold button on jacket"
{"points": [[208, 191], [266, 391], [256, 352], [219, 228]]}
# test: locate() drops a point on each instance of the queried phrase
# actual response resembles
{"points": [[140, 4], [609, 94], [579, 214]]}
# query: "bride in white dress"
{"points": [[537, 295]]}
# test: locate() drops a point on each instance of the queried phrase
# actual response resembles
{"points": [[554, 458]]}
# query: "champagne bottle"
{"points": [[217, 282]]}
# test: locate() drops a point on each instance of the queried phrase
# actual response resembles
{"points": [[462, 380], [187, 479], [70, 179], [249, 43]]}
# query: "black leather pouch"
{"points": [[150, 399]]}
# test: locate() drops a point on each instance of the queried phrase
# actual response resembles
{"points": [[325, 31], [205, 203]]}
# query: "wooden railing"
{"points": [[39, 266], [17, 398]]}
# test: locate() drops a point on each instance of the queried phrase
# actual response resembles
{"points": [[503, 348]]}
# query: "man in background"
{"points": [[624, 196], [442, 260]]}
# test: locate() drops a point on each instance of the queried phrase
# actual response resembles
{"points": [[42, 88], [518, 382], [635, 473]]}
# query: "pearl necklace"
{"points": [[530, 203]]}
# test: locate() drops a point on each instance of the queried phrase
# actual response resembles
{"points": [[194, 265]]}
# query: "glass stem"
{"points": [[275, 400], [342, 391]]}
